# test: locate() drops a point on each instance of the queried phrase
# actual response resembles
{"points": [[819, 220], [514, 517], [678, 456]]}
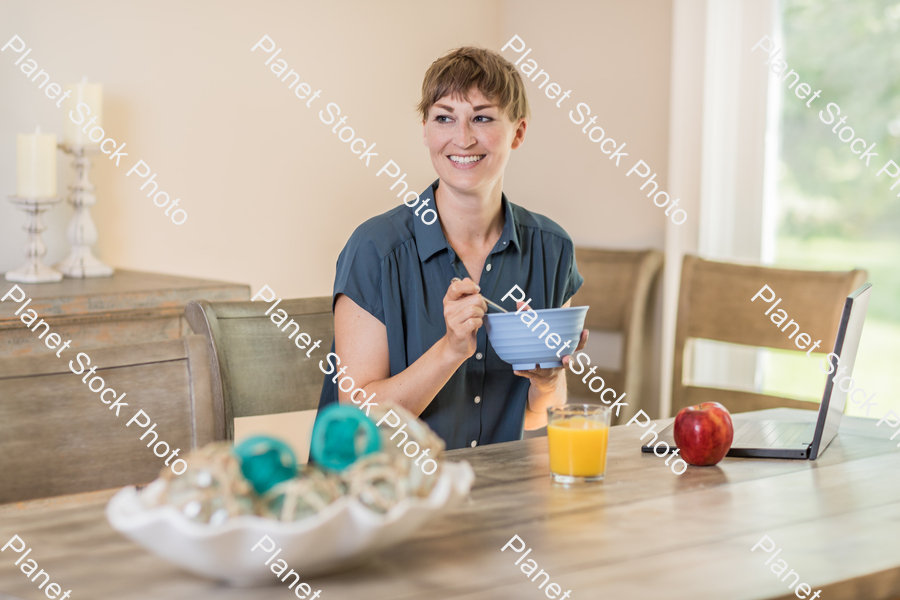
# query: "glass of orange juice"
{"points": [[577, 435]]}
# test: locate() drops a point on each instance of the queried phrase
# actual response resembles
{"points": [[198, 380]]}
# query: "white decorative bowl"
{"points": [[517, 343], [342, 534]]}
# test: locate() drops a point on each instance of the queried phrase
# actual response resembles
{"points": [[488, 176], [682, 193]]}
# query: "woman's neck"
{"points": [[472, 221]]}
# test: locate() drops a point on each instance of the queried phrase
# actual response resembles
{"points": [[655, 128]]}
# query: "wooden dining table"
{"points": [[644, 532]]}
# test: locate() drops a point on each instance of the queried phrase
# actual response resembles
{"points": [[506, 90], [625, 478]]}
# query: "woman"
{"points": [[409, 296]]}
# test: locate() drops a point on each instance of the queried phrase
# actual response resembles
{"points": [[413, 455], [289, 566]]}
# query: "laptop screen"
{"points": [[845, 345]]}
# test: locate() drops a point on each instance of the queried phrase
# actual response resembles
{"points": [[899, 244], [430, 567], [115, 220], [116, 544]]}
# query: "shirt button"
{"points": [[477, 399], [488, 268], [479, 356], [474, 443]]}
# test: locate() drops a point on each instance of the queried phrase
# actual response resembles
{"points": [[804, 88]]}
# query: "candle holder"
{"points": [[34, 270], [82, 232]]}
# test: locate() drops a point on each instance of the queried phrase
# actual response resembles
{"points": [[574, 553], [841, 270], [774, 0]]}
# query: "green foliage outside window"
{"points": [[834, 213], [849, 49]]}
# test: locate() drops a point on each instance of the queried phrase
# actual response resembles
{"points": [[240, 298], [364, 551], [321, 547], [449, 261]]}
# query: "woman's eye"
{"points": [[440, 118], [486, 119]]}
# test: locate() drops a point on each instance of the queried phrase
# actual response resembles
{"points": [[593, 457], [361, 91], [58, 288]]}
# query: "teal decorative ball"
{"points": [[266, 462], [341, 435]]}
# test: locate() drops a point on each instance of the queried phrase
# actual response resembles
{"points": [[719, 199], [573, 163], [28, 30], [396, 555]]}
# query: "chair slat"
{"points": [[617, 287], [715, 304], [257, 369]]}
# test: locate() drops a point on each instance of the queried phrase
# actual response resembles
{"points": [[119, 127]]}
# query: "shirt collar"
{"points": [[430, 239]]}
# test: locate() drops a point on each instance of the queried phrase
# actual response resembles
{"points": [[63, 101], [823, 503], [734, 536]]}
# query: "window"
{"points": [[829, 210]]}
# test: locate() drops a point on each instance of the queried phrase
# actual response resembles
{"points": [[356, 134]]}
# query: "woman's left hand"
{"points": [[546, 381], [548, 386], [547, 389]]}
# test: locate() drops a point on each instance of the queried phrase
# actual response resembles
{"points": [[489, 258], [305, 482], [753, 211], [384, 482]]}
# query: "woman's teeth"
{"points": [[464, 160]]}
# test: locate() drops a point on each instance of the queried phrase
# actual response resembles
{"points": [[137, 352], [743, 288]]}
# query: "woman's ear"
{"points": [[519, 137]]}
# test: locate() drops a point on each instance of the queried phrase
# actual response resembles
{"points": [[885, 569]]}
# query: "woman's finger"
{"points": [[472, 324], [583, 341], [460, 313], [460, 288], [463, 306], [474, 300]]}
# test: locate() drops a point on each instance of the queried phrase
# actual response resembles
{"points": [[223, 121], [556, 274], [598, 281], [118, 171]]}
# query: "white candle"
{"points": [[74, 134], [36, 165]]}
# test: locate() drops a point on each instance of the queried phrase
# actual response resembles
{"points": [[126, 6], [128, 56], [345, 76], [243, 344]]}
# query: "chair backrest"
{"points": [[617, 286], [715, 304], [57, 436], [256, 364]]}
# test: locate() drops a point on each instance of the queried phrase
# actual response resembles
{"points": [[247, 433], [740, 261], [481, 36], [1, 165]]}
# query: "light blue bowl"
{"points": [[520, 345]]}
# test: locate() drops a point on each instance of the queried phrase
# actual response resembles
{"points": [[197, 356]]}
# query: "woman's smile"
{"points": [[463, 161]]}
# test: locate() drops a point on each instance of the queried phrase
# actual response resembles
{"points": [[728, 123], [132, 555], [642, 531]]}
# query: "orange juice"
{"points": [[577, 446]]}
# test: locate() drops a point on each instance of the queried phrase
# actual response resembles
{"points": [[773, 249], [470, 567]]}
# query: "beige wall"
{"points": [[271, 193], [614, 56]]}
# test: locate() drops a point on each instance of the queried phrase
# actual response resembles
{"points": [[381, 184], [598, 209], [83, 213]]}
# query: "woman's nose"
{"points": [[465, 135]]}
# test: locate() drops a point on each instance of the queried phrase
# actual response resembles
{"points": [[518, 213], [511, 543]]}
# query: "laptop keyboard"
{"points": [[773, 434]]}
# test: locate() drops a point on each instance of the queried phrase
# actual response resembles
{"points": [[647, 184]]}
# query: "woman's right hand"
{"points": [[464, 310]]}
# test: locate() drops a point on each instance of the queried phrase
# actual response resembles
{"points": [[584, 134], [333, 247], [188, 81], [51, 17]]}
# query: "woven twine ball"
{"points": [[211, 489], [303, 496], [419, 432], [378, 481]]}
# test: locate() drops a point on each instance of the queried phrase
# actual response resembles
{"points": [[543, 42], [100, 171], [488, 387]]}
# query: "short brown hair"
{"points": [[458, 71]]}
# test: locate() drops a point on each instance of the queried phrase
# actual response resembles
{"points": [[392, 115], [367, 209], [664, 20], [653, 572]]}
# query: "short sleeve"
{"points": [[573, 280], [359, 273]]}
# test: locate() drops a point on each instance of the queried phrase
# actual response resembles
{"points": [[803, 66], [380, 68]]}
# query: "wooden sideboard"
{"points": [[128, 308]]}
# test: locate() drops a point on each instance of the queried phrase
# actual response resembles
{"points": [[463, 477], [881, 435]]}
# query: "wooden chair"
{"points": [[57, 437], [256, 368], [715, 304], [617, 287]]}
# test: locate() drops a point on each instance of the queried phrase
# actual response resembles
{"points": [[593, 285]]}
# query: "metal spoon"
{"points": [[489, 302]]}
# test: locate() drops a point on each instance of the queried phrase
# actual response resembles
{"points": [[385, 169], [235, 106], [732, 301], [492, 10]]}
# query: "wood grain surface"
{"points": [[58, 437], [128, 308], [643, 533]]}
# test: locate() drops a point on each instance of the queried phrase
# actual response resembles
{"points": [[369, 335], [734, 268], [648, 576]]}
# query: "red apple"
{"points": [[703, 433]]}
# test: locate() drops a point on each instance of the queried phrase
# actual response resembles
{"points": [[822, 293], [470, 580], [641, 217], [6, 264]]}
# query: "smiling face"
{"points": [[470, 141]]}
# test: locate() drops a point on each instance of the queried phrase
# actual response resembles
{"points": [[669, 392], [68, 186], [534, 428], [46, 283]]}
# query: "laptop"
{"points": [[806, 438]]}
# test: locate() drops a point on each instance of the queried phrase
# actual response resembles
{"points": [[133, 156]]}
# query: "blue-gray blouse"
{"points": [[398, 269]]}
